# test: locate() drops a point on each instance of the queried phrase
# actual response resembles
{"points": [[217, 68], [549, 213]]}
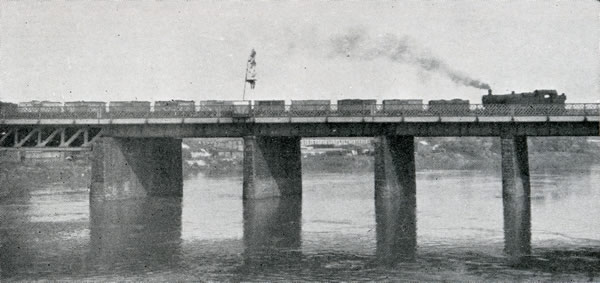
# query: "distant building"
{"points": [[199, 154], [336, 141], [238, 144], [233, 148], [33, 155], [223, 143]]}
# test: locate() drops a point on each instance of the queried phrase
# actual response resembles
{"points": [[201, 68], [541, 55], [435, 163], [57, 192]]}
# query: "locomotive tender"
{"points": [[538, 102]]}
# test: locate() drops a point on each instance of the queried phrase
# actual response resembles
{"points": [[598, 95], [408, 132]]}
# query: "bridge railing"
{"points": [[319, 110], [592, 109]]}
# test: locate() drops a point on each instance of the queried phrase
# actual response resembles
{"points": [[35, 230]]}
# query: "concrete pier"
{"points": [[516, 193], [124, 168], [395, 198], [272, 167]]}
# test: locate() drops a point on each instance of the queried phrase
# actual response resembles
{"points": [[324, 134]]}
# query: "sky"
{"points": [[197, 50]]}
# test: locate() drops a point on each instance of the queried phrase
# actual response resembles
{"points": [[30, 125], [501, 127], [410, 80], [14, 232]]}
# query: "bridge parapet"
{"points": [[234, 111]]}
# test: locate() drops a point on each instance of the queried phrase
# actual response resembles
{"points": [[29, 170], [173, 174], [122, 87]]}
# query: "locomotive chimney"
{"points": [[489, 91]]}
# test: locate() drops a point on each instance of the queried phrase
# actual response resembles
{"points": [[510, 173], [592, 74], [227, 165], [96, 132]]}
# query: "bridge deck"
{"points": [[323, 119], [81, 129]]}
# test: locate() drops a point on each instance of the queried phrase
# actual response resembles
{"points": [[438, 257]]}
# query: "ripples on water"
{"points": [[211, 234]]}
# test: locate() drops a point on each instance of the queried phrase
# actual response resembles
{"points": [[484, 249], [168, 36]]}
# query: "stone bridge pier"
{"points": [[516, 196], [127, 168], [272, 193], [395, 198], [272, 167]]}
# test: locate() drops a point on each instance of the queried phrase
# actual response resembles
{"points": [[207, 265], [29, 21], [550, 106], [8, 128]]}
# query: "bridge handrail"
{"points": [[317, 110]]}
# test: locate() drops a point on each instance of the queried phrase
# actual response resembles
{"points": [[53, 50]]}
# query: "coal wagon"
{"points": [[402, 107], [269, 108], [85, 109], [452, 107], [129, 109], [215, 108], [36, 109], [356, 107], [174, 108], [310, 107], [8, 109]]}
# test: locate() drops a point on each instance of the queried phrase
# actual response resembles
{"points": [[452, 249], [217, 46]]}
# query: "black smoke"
{"points": [[356, 44]]}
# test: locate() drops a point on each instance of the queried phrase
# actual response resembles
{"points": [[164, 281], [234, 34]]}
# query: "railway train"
{"points": [[536, 102]]}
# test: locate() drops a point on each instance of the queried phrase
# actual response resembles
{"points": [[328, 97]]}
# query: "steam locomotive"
{"points": [[537, 102], [528, 103]]}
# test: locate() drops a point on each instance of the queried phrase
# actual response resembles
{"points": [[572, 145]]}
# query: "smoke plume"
{"points": [[358, 45]]}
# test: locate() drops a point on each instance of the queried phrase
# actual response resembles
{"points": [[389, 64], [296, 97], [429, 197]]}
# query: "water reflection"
{"points": [[15, 254], [41, 233], [561, 261], [460, 235], [135, 235], [272, 231], [395, 216]]}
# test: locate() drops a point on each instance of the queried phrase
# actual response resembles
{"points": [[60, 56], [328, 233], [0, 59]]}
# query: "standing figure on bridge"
{"points": [[251, 69]]}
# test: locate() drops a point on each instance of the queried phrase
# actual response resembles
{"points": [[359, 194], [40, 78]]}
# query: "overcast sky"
{"points": [[197, 50]]}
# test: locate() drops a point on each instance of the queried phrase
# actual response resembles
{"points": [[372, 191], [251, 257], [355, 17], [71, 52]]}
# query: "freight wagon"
{"points": [[215, 108], [401, 107], [174, 108], [270, 108], [129, 109], [310, 107], [453, 107], [356, 107], [85, 109]]}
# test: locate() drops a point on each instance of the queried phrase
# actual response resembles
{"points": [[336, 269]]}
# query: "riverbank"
{"points": [[18, 177], [538, 162]]}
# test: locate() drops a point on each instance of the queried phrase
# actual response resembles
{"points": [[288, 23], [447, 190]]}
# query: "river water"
{"points": [[53, 232]]}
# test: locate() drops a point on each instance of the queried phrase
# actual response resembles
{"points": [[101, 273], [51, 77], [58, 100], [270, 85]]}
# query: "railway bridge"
{"points": [[138, 154]]}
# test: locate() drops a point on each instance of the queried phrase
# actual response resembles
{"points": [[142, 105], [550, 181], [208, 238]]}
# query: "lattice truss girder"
{"points": [[47, 136]]}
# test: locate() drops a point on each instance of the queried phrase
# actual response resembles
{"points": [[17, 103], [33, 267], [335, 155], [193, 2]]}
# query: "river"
{"points": [[52, 232]]}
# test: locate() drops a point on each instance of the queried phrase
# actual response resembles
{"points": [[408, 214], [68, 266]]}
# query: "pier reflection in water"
{"points": [[272, 232], [332, 233], [396, 231], [141, 235]]}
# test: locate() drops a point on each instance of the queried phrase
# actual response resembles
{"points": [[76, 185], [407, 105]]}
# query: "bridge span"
{"points": [[138, 154]]}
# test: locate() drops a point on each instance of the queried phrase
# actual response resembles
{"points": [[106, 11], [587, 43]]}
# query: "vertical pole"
{"points": [[245, 82], [516, 194]]}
